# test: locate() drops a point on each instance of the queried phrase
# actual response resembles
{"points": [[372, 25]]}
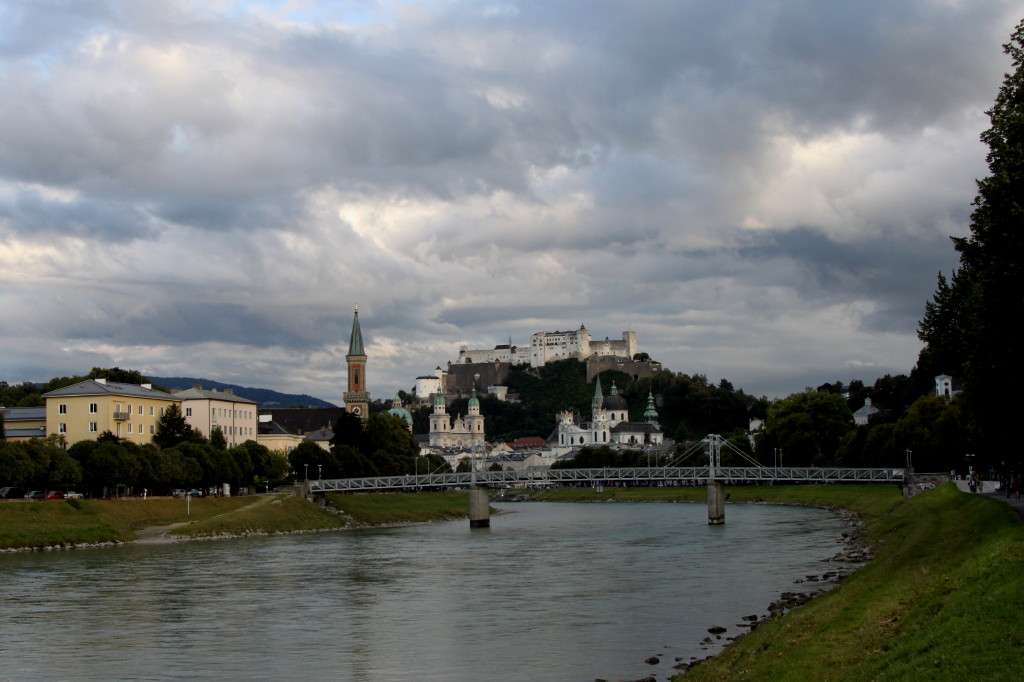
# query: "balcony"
{"points": [[120, 416]]}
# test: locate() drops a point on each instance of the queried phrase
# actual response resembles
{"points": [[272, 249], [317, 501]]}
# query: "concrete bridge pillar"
{"points": [[479, 507], [716, 503]]}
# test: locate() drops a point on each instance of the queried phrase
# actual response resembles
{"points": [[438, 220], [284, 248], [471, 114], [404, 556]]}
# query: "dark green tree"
{"points": [[16, 467], [321, 463], [975, 318], [172, 429], [217, 439], [808, 427]]}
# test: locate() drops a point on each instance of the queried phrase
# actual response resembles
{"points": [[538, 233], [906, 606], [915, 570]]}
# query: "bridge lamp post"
{"points": [[319, 471]]}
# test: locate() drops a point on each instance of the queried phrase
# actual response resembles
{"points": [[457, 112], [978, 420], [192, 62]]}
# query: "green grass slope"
{"points": [[942, 600]]}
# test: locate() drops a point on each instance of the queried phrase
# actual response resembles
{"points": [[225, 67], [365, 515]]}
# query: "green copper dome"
{"points": [[650, 414]]}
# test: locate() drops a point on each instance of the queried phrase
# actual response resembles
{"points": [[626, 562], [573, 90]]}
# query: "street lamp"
{"points": [[306, 468], [319, 471]]}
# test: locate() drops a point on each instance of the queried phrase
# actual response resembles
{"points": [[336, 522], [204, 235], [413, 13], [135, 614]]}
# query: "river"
{"points": [[561, 592]]}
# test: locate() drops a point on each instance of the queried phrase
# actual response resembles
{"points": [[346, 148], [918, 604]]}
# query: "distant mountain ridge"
{"points": [[264, 396]]}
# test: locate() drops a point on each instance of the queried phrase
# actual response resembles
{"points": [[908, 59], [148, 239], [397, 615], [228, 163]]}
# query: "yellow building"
{"points": [[206, 410], [84, 410], [24, 423]]}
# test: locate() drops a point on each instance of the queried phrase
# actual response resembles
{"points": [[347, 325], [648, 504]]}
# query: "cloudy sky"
{"points": [[763, 189]]}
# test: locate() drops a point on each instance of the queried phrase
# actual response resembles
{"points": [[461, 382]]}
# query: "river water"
{"points": [[549, 592]]}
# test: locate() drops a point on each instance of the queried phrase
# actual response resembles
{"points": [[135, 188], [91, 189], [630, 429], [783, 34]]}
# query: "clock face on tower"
{"points": [[356, 410]]}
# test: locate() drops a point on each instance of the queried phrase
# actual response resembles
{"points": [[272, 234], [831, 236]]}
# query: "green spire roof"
{"points": [[355, 344], [650, 414], [598, 393]]}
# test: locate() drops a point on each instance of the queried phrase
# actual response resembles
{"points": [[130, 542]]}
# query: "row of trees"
{"points": [[380, 446], [110, 466], [816, 428], [971, 326], [28, 394]]}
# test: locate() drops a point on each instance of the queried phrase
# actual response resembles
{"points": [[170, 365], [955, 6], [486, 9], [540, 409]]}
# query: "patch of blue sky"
{"points": [[316, 12]]}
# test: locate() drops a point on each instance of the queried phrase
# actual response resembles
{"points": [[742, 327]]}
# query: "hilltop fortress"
{"points": [[552, 346], [487, 369]]}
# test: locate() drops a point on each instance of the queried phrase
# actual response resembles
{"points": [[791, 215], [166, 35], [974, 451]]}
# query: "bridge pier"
{"points": [[716, 503], [479, 507]]}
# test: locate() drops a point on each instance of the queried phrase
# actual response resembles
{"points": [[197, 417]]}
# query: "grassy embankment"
{"points": [[942, 599], [83, 522]]}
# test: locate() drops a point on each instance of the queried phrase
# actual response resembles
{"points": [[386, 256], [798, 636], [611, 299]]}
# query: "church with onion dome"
{"points": [[609, 423]]}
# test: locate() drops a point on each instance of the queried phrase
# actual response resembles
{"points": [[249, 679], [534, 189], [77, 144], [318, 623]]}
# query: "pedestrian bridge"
{"points": [[634, 476]]}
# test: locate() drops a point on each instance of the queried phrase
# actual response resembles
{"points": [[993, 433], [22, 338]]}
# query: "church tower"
{"points": [[357, 399], [475, 420]]}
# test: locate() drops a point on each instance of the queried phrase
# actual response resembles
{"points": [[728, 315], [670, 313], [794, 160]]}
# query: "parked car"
{"points": [[195, 493], [72, 495], [34, 495], [10, 493], [178, 492], [55, 495]]}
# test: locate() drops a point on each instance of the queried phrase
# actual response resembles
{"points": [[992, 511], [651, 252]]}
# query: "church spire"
{"points": [[355, 343], [357, 398]]}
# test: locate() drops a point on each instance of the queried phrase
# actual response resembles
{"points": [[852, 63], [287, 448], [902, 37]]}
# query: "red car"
{"points": [[55, 495]]}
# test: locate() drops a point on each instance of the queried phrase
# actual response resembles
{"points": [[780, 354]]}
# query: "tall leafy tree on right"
{"points": [[972, 327]]}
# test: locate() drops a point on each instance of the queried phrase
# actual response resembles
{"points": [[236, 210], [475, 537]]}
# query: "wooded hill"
{"points": [[688, 406]]}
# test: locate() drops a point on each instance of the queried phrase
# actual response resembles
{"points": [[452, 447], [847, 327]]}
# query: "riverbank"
{"points": [[46, 525], [941, 600]]}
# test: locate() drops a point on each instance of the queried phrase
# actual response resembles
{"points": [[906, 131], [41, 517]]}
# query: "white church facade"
{"points": [[461, 432], [609, 424]]}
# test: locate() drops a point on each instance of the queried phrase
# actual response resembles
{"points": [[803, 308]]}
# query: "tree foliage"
{"points": [[971, 326], [808, 428], [172, 429]]}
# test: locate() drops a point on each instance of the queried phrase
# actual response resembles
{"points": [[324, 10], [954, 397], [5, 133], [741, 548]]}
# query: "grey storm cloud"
{"points": [[761, 190]]}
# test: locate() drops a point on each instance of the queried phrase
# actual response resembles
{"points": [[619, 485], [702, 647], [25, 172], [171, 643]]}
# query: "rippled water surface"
{"points": [[549, 592]]}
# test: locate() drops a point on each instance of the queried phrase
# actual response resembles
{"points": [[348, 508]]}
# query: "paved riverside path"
{"points": [[1016, 504], [989, 491]]}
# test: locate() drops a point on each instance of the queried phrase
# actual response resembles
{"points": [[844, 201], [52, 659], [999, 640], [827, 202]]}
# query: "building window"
{"points": [[93, 408], [129, 426], [151, 429], [62, 409], [188, 411], [140, 410], [150, 410], [161, 411], [62, 427], [92, 427]]}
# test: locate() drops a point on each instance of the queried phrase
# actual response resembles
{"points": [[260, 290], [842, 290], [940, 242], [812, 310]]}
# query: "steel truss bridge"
{"points": [[634, 476]]}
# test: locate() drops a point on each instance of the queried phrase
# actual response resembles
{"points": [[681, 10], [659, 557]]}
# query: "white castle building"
{"points": [[552, 346]]}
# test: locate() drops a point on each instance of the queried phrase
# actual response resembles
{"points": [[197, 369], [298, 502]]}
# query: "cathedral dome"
{"points": [[398, 411]]}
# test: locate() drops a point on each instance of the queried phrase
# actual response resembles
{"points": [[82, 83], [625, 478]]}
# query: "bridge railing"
{"points": [[648, 475]]}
